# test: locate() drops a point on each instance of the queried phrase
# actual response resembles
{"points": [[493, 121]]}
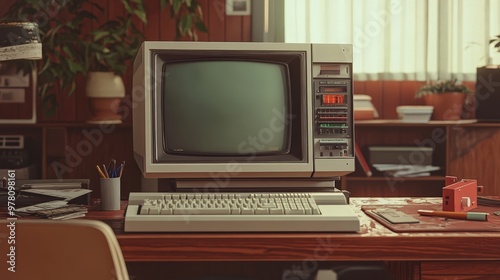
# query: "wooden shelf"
{"points": [[399, 123], [463, 148]]}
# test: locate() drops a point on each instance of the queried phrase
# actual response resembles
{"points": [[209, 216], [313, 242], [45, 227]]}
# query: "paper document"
{"points": [[66, 194], [52, 186]]}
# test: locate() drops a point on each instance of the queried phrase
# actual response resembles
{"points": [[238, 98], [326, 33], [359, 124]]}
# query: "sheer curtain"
{"points": [[402, 39]]}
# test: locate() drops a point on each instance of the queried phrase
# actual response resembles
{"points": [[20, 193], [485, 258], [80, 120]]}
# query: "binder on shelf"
{"points": [[362, 161]]}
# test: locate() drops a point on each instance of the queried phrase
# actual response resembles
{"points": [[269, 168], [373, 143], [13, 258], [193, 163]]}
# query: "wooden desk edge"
{"points": [[374, 242]]}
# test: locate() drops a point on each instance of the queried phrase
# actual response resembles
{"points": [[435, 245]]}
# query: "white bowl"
{"points": [[415, 114]]}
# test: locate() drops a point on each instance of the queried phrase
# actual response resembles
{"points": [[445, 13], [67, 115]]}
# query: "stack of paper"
{"points": [[55, 209]]}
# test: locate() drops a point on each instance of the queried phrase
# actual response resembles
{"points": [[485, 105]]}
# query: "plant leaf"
{"points": [[177, 6], [200, 25]]}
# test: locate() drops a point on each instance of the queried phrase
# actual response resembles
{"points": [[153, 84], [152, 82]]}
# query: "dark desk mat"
{"points": [[436, 224]]}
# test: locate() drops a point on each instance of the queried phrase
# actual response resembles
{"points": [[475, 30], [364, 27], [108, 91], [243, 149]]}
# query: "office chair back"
{"points": [[75, 249]]}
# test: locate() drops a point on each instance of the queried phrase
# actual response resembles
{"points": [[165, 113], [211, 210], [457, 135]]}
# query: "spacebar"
{"points": [[202, 211]]}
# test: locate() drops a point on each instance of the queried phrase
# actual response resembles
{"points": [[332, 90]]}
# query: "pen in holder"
{"points": [[110, 193]]}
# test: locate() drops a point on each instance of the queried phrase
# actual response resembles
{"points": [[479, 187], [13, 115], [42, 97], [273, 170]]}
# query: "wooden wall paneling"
{"points": [[5, 4], [67, 105], [367, 135], [246, 28], [469, 111], [115, 9], [203, 36], [233, 28], [166, 26], [82, 109], [216, 20], [358, 87], [375, 90], [408, 91], [476, 156], [151, 30], [391, 99]]}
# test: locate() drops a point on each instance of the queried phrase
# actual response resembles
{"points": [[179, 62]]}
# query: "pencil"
{"points": [[114, 174], [111, 166], [100, 171], [476, 216], [105, 171], [121, 169]]}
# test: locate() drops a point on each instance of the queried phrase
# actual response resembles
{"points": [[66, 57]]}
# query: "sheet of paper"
{"points": [[52, 186], [66, 194]]}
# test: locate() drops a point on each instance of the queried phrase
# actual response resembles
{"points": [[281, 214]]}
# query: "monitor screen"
{"points": [[227, 104]]}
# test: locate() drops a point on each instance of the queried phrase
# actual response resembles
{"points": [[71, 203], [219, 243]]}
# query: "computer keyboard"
{"points": [[239, 212]]}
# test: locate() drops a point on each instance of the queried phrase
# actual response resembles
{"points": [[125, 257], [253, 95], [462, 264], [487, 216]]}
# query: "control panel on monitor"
{"points": [[243, 111]]}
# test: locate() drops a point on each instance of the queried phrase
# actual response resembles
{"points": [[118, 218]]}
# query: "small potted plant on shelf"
{"points": [[447, 97]]}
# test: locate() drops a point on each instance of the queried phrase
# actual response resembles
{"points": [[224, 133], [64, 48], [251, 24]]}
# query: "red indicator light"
{"points": [[329, 99]]}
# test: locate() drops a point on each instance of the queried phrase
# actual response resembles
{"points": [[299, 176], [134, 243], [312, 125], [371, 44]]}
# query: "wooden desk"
{"points": [[409, 255]]}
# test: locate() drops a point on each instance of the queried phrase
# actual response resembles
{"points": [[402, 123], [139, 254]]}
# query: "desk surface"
{"points": [[373, 242]]}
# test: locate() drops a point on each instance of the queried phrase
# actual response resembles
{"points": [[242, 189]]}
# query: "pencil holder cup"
{"points": [[110, 193]]}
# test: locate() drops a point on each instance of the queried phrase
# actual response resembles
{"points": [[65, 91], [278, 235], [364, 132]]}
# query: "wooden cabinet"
{"points": [[465, 148]]}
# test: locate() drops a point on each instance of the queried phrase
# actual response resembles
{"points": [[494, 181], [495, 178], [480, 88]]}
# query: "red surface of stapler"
{"points": [[460, 195]]}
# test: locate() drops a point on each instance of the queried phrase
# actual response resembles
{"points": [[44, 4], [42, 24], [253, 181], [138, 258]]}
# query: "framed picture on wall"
{"points": [[238, 7]]}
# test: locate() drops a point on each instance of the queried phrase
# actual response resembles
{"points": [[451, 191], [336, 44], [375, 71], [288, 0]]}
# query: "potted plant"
{"points": [[447, 97], [105, 53], [76, 44], [496, 43]]}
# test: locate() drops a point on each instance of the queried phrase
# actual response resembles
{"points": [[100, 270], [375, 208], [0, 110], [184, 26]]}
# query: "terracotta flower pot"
{"points": [[105, 110], [447, 106]]}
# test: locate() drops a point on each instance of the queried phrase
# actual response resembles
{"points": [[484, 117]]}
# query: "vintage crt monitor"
{"points": [[254, 114]]}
